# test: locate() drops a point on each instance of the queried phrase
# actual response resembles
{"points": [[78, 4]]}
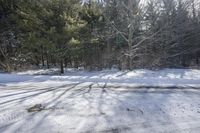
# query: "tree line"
{"points": [[97, 34]]}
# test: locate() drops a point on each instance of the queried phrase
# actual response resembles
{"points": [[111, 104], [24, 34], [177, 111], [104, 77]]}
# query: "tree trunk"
{"points": [[42, 57], [61, 67], [130, 63], [47, 57], [48, 63], [66, 62], [197, 60]]}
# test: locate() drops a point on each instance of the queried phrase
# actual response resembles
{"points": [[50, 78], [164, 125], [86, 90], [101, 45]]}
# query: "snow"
{"points": [[108, 101], [140, 77]]}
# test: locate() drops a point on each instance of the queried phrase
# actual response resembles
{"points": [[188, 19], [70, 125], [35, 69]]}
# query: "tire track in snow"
{"points": [[11, 116], [33, 95]]}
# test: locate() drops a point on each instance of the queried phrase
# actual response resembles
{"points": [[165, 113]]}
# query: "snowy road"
{"points": [[97, 108]]}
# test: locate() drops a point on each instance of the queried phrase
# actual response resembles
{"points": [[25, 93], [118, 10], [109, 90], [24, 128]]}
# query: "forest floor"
{"points": [[100, 102]]}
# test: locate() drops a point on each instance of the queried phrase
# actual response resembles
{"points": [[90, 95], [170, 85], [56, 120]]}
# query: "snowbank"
{"points": [[140, 77]]}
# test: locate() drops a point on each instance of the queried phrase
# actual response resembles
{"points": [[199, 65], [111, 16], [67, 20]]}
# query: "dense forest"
{"points": [[97, 34]]}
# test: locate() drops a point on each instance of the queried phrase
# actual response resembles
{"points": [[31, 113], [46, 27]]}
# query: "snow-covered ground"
{"points": [[140, 77], [103, 102]]}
